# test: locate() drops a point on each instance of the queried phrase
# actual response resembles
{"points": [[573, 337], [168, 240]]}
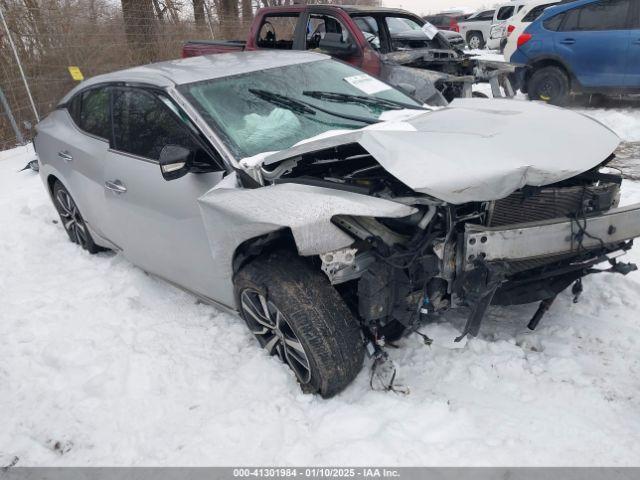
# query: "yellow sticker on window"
{"points": [[76, 74]]}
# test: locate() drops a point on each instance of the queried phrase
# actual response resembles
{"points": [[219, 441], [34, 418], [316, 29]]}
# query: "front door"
{"points": [[155, 222]]}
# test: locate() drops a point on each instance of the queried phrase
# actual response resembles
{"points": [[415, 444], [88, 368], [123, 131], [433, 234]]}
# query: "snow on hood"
{"points": [[478, 149]]}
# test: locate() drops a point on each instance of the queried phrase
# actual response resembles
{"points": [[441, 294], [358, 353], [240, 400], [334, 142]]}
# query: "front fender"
{"points": [[232, 216]]}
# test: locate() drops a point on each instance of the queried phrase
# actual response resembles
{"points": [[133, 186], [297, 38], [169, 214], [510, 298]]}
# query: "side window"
{"points": [[598, 16], [553, 24], [505, 13], [488, 15], [92, 112], [278, 31], [319, 25], [435, 20], [535, 12], [370, 30], [143, 125]]}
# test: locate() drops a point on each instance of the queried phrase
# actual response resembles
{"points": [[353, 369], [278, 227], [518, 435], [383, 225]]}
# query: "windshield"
{"points": [[274, 109]]}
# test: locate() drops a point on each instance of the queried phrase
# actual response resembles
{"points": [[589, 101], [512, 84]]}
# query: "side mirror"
{"points": [[333, 44], [175, 161]]}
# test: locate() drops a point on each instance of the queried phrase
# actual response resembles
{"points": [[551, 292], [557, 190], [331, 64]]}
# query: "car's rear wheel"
{"points": [[551, 85], [475, 40], [71, 218], [298, 316]]}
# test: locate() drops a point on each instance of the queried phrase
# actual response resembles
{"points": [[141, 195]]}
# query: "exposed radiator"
{"points": [[556, 202]]}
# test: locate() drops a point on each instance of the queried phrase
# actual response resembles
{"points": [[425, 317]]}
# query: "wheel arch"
{"points": [[252, 248], [51, 180], [471, 32], [543, 62]]}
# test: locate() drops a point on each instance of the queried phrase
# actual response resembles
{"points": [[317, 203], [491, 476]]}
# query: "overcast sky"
{"points": [[434, 6]]}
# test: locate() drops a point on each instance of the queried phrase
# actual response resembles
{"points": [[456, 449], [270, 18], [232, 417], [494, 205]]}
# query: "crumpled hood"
{"points": [[478, 149]]}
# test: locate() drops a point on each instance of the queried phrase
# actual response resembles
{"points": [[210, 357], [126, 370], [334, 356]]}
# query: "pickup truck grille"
{"points": [[555, 202]]}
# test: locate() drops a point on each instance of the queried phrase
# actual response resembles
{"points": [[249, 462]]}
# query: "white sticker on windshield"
{"points": [[429, 30], [367, 84]]}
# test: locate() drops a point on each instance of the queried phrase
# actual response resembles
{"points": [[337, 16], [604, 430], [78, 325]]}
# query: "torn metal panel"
{"points": [[233, 215], [488, 140], [424, 82], [404, 57]]}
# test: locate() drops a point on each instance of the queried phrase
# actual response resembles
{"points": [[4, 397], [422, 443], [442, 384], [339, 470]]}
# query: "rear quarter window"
{"points": [[553, 24], [90, 112], [535, 12], [505, 13]]}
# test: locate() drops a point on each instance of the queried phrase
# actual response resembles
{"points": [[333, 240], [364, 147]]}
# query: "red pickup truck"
{"points": [[392, 44]]}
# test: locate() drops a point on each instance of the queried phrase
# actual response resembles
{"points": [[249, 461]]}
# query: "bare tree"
{"points": [[140, 27], [228, 16], [247, 12], [198, 12]]}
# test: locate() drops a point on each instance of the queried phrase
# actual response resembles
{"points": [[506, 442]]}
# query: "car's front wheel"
{"points": [[297, 315], [71, 218], [549, 84]]}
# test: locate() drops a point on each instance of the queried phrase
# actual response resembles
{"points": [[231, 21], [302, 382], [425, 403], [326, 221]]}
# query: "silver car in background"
{"points": [[334, 212]]}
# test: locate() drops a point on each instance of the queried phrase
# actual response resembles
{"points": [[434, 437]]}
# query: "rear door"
{"points": [[594, 41], [157, 223], [80, 151]]}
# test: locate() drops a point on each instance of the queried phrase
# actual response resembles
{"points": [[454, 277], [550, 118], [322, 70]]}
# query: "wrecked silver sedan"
{"points": [[335, 213]]}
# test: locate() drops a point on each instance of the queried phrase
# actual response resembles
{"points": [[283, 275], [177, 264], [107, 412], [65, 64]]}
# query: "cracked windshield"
{"points": [[274, 109]]}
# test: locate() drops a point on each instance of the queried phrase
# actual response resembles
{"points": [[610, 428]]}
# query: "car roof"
{"points": [[205, 67]]}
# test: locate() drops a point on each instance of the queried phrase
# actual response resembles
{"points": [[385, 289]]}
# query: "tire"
{"points": [[475, 40], [302, 307], [479, 95], [71, 219], [549, 84]]}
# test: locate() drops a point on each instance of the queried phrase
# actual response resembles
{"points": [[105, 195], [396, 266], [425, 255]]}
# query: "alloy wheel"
{"points": [[274, 333], [71, 219], [474, 42]]}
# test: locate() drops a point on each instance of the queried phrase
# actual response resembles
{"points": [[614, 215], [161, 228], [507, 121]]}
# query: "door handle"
{"points": [[568, 41], [66, 156], [116, 186]]}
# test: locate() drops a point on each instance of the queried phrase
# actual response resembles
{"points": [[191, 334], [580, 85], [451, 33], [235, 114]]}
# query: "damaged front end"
{"points": [[524, 248], [441, 210], [447, 72]]}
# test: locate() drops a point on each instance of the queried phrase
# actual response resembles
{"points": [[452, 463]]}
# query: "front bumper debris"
{"points": [[550, 237]]}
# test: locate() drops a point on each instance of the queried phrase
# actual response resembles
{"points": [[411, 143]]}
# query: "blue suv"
{"points": [[584, 46]]}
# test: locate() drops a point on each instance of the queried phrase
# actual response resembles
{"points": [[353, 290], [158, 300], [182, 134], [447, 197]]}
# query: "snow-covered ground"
{"points": [[103, 365]]}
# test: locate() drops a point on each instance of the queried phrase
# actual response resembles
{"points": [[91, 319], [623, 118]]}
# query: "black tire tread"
{"points": [[315, 311], [478, 34], [90, 247], [560, 75]]}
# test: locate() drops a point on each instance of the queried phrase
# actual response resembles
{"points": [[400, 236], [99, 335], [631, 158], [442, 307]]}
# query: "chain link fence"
{"points": [[51, 35]]}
